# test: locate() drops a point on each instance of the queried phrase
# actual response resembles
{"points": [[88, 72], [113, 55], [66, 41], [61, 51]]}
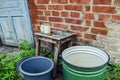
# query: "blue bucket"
{"points": [[36, 68]]}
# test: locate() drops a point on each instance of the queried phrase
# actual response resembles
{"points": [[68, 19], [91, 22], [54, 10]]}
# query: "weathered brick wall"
{"points": [[96, 22]]}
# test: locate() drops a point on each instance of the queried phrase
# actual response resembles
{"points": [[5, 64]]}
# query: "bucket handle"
{"points": [[110, 67]]}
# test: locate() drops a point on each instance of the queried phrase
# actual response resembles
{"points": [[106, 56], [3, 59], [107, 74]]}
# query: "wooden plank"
{"points": [[15, 22], [19, 28], [8, 3], [8, 31], [28, 25], [16, 14]]}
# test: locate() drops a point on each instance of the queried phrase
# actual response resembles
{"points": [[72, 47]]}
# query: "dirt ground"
{"points": [[10, 50]]}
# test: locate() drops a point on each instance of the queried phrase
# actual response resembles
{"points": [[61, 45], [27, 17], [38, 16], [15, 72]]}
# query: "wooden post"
{"points": [[38, 46]]}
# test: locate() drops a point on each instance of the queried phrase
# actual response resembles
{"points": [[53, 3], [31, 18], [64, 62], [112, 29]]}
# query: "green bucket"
{"points": [[84, 63]]}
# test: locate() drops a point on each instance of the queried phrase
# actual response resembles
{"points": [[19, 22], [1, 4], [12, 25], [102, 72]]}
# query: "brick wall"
{"points": [[91, 20]]}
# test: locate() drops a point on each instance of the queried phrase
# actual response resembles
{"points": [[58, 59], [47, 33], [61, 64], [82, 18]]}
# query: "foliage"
{"points": [[3, 55], [43, 51], [8, 69], [25, 45], [115, 73]]}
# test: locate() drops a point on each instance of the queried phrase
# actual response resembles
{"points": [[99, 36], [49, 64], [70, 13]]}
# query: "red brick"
{"points": [[80, 1], [78, 34], [104, 9], [33, 12], [104, 17], [60, 1], [40, 13], [35, 22], [64, 14], [99, 31], [42, 18], [99, 24], [88, 15], [35, 17], [75, 14], [87, 8], [55, 7], [47, 13], [88, 23], [31, 1], [42, 7], [79, 28], [36, 31], [43, 1], [44, 22], [55, 13], [102, 1], [74, 7], [63, 26], [38, 28], [55, 19], [33, 27], [32, 5], [90, 36], [73, 21], [117, 1], [116, 18]]}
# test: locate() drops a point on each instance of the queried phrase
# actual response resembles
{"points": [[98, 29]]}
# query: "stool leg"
{"points": [[70, 43], [56, 54], [38, 43]]}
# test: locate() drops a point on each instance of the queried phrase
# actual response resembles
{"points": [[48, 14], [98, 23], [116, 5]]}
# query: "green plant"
{"points": [[86, 43], [51, 56], [115, 73], [8, 64], [25, 45], [3, 55], [43, 51], [8, 68]]}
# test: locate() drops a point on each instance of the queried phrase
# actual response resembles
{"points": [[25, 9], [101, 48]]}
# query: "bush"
{"points": [[115, 73], [25, 45], [8, 64]]}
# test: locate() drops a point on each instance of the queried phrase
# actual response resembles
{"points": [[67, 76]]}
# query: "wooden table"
{"points": [[57, 38]]}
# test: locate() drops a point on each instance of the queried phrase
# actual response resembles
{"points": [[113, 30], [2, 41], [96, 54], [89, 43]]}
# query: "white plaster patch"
{"points": [[114, 34], [113, 26], [111, 42]]}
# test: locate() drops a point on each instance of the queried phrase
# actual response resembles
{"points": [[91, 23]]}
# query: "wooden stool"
{"points": [[57, 38]]}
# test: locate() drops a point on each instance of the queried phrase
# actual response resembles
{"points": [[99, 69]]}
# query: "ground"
{"points": [[10, 50]]}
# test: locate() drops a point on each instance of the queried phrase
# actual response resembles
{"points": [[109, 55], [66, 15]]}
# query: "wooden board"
{"points": [[15, 24]]}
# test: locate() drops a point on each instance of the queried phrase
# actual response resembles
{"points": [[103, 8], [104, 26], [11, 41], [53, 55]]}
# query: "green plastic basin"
{"points": [[84, 63]]}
